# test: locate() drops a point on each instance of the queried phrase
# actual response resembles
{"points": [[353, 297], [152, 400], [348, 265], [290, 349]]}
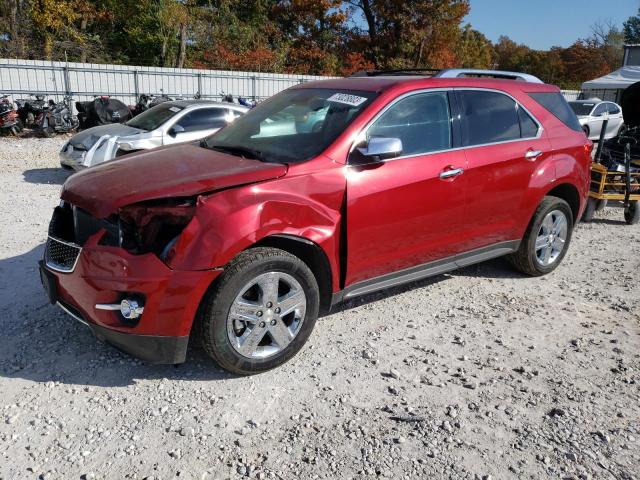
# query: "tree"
{"points": [[631, 29], [474, 50], [53, 20], [610, 40], [411, 34]]}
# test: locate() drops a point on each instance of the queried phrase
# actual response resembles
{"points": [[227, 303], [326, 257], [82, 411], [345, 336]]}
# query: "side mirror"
{"points": [[378, 149], [176, 129]]}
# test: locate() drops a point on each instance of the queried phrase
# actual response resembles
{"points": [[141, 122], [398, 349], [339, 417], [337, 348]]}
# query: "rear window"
{"points": [[556, 104]]}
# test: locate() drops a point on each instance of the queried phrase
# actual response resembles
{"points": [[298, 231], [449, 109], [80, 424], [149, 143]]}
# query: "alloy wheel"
{"points": [[551, 238], [266, 315]]}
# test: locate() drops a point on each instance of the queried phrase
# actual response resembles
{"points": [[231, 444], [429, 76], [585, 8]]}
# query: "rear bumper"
{"points": [[106, 275]]}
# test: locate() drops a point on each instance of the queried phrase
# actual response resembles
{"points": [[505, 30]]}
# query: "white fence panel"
{"points": [[86, 80]]}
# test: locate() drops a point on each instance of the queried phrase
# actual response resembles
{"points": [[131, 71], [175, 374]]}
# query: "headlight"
{"points": [[154, 227]]}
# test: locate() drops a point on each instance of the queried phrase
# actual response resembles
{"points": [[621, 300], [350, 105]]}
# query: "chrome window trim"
{"points": [[54, 266], [365, 129]]}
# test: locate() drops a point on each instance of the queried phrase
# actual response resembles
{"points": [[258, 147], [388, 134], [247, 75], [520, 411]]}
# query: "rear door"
{"points": [[504, 145], [407, 211]]}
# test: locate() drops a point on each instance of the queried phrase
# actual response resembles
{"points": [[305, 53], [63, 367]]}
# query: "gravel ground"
{"points": [[479, 374]]}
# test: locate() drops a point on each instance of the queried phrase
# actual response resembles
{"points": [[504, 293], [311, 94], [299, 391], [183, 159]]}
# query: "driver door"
{"points": [[407, 211]]}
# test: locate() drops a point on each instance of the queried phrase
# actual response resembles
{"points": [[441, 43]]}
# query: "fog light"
{"points": [[129, 309]]}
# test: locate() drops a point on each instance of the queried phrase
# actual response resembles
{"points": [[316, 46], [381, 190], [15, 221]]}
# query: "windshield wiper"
{"points": [[239, 151]]}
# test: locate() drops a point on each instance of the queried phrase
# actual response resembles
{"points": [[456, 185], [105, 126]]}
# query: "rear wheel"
{"points": [[261, 311], [586, 130], [547, 238], [632, 213]]}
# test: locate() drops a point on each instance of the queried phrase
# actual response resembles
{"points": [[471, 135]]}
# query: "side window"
{"points": [[528, 127], [420, 121], [613, 108], [600, 110], [488, 117], [204, 119], [555, 103]]}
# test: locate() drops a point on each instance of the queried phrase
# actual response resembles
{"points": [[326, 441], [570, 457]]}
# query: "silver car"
{"points": [[164, 124], [592, 113]]}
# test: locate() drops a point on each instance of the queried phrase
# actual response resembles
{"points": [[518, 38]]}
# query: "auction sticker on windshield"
{"points": [[352, 100], [175, 109]]}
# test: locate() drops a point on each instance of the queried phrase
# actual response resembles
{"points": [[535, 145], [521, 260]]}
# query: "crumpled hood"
{"points": [[630, 103], [174, 171], [87, 138]]}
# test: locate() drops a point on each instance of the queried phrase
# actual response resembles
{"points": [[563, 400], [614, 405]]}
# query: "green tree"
{"points": [[411, 34], [474, 50], [631, 29]]}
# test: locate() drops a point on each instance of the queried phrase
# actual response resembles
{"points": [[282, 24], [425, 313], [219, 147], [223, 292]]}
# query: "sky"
{"points": [[542, 24]]}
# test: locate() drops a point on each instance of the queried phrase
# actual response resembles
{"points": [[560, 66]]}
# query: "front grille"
{"points": [[60, 255]]}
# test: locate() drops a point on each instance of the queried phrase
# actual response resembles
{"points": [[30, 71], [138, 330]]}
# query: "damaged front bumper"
{"points": [[106, 148], [106, 275], [71, 157]]}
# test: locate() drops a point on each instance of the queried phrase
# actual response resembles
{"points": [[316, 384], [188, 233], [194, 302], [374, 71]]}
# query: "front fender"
{"points": [[227, 222]]}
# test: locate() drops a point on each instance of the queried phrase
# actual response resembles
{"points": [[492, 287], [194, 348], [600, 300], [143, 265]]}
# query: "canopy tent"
{"points": [[610, 87]]}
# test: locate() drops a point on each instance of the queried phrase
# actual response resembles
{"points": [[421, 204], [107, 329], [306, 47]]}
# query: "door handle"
{"points": [[454, 172], [532, 154]]}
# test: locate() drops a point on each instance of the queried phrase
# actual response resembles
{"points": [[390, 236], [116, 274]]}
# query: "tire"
{"points": [[586, 130], [221, 332], [543, 226], [601, 205], [590, 210], [632, 213]]}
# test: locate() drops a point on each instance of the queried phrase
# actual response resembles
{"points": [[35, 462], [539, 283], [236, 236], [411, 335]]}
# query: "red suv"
{"points": [[326, 191]]}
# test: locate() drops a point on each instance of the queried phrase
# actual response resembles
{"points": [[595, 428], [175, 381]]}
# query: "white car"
{"points": [[164, 124], [592, 113]]}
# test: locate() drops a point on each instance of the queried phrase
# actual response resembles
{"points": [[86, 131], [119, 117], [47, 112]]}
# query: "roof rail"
{"points": [[463, 72], [423, 72]]}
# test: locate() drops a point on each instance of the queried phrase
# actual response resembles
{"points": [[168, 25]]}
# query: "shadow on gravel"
{"points": [[496, 268], [47, 175], [41, 343]]}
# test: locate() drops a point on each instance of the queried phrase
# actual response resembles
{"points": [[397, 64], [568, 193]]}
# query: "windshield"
{"points": [[154, 117], [293, 126], [580, 108]]}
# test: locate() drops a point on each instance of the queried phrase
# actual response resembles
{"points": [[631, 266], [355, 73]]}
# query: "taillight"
{"points": [[588, 148]]}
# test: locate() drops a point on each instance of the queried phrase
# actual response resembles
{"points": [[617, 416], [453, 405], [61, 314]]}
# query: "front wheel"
{"points": [[546, 240], [632, 213], [261, 311]]}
